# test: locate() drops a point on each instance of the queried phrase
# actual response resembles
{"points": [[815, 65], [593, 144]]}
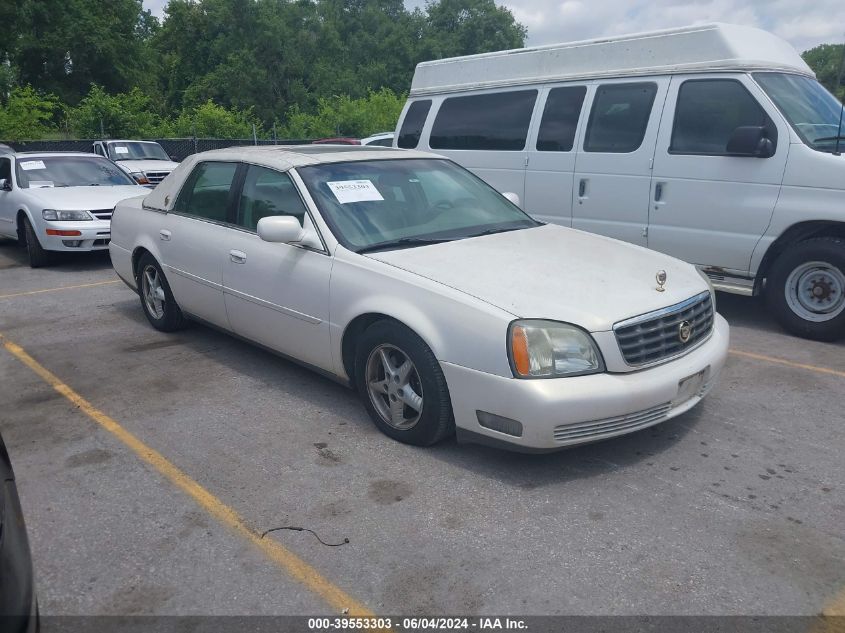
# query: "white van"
{"points": [[713, 143]]}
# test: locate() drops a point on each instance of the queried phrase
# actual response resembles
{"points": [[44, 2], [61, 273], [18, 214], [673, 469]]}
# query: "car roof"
{"points": [[287, 156], [33, 153], [126, 140]]}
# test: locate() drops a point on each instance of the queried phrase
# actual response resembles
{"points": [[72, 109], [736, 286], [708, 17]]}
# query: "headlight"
{"points": [[65, 216], [709, 285], [549, 349], [140, 178]]}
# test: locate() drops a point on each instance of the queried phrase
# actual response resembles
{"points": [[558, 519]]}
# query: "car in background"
{"points": [[145, 161], [437, 297], [382, 139], [60, 201], [337, 140], [18, 606]]}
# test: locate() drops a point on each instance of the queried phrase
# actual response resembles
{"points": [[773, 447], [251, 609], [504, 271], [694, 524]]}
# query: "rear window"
{"points": [[560, 119], [409, 135], [619, 117], [497, 121]]}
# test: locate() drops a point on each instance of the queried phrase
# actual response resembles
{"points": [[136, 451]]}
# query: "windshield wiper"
{"points": [[829, 138], [494, 231], [405, 241]]}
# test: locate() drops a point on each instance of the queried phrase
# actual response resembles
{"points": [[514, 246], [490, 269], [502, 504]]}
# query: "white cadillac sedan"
{"points": [[60, 201], [446, 306]]}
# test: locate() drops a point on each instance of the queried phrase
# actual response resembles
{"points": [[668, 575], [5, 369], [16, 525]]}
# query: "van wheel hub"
{"points": [[815, 291]]}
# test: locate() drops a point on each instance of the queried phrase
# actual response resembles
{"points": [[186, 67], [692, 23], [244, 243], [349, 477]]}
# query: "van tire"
{"points": [[38, 256], [806, 289]]}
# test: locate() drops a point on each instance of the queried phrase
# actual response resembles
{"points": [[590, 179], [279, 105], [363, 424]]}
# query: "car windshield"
{"points": [[68, 171], [383, 204], [813, 112], [135, 150]]}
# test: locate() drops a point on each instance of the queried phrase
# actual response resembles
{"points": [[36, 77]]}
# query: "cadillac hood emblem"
{"points": [[661, 280], [684, 331]]}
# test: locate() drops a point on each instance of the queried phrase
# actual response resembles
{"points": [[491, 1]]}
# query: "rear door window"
{"points": [[494, 121], [619, 117], [409, 135], [207, 192], [560, 119]]}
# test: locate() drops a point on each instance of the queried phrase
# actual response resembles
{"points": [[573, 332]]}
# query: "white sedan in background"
{"points": [[60, 201], [444, 304]]}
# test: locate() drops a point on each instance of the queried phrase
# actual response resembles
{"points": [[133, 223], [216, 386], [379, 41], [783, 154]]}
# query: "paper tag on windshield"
{"points": [[26, 165], [119, 149], [354, 191]]}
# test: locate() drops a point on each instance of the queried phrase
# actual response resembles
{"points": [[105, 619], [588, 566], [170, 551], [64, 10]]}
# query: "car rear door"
{"points": [[276, 294], [192, 238], [616, 149]]}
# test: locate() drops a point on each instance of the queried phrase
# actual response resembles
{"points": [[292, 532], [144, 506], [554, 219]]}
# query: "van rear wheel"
{"points": [[806, 289]]}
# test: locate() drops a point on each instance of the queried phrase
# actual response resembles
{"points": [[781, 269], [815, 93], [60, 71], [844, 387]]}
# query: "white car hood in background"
{"points": [[83, 198], [552, 272], [131, 166]]}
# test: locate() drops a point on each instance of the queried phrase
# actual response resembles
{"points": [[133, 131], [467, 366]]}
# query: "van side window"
{"points": [[409, 135], [206, 192], [707, 113], [495, 121], [619, 117], [560, 119]]}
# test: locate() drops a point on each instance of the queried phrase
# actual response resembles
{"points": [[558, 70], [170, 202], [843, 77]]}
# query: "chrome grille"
{"points": [[655, 336], [156, 177], [628, 422], [102, 214]]}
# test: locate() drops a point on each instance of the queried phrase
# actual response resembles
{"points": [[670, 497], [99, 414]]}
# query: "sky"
{"points": [[803, 23]]}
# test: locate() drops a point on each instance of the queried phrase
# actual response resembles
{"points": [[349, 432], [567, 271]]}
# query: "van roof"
{"points": [[703, 48]]}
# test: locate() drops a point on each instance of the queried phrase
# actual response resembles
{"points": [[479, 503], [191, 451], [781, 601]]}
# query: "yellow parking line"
{"points": [[38, 292], [297, 568], [788, 363]]}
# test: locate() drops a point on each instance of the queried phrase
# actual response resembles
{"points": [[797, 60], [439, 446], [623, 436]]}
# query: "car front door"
{"points": [[277, 294], [192, 236], [709, 207], [613, 164]]}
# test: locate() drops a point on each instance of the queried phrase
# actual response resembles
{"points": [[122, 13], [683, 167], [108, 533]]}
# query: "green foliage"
{"points": [[826, 62], [343, 116], [27, 115], [123, 115], [210, 120]]}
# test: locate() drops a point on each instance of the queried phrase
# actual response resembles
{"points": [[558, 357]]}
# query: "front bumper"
{"points": [[94, 236], [559, 412]]}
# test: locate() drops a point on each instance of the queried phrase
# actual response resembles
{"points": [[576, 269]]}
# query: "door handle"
{"points": [[582, 188], [164, 234], [237, 257], [658, 192]]}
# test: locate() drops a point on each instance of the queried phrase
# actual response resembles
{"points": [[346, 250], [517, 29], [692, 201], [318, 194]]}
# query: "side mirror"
{"points": [[750, 140], [280, 228], [514, 198], [5, 185]]}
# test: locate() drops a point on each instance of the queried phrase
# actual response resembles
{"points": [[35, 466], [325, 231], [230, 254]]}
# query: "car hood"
{"points": [[85, 198], [147, 165], [556, 273]]}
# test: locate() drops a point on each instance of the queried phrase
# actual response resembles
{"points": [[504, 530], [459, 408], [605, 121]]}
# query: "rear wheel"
{"points": [[38, 256], [157, 300], [806, 289], [402, 385]]}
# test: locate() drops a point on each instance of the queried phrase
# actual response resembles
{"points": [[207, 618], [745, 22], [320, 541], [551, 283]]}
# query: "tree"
{"points": [[210, 120], [27, 115], [466, 27], [826, 62], [123, 115], [377, 112]]}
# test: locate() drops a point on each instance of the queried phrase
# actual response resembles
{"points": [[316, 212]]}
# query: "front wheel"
{"points": [[806, 290], [38, 255], [157, 300], [403, 388]]}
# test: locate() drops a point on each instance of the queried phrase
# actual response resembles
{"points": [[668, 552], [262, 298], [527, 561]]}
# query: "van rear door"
{"points": [[613, 165], [710, 206]]}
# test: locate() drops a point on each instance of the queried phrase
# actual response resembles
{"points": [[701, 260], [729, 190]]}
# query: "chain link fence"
{"points": [[177, 148]]}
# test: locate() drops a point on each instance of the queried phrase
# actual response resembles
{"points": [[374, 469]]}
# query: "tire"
{"points": [[433, 421], [157, 300], [806, 289], [38, 256]]}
